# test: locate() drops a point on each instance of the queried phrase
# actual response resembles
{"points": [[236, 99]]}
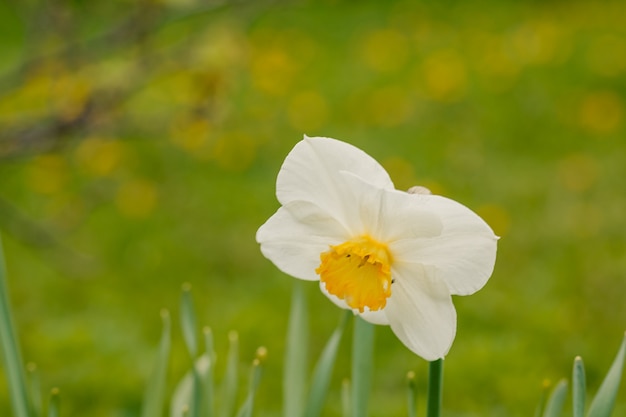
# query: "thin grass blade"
{"points": [[542, 400], [255, 378], [323, 371], [556, 401], [188, 321], [34, 389], [228, 389], [154, 397], [54, 404], [183, 400], [11, 354], [208, 403], [603, 402], [362, 358], [579, 388], [345, 398], [295, 369]]}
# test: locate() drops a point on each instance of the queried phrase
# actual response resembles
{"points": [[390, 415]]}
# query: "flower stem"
{"points": [[362, 356], [435, 388]]}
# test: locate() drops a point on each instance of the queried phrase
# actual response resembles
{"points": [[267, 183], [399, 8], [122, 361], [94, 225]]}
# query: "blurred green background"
{"points": [[140, 142]]}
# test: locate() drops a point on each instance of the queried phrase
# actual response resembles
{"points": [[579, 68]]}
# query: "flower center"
{"points": [[359, 272]]}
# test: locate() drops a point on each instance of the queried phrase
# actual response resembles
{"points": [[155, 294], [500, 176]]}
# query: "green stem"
{"points": [[435, 388], [362, 356]]}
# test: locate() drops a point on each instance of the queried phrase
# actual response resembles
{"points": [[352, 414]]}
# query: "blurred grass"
{"points": [[135, 158]]}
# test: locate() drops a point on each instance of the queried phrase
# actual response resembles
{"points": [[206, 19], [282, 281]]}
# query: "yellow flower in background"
{"points": [[393, 257]]}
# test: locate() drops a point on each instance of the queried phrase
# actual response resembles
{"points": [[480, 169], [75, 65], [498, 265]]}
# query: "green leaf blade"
{"points": [[295, 370], [604, 401], [11, 354], [154, 397], [579, 387], [188, 321], [323, 371], [556, 401], [228, 389]]}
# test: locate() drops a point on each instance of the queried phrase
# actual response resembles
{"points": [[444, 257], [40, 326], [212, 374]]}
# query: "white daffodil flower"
{"points": [[393, 257]]}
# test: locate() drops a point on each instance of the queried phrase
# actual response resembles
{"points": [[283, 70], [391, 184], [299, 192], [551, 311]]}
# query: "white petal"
{"points": [[310, 173], [388, 214], [463, 255], [421, 313], [374, 317], [295, 236]]}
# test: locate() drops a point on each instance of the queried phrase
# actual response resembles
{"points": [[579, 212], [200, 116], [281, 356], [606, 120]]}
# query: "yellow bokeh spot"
{"points": [[445, 76], [99, 156], [601, 112], [578, 172], [47, 174], [190, 134], [385, 50], [272, 71], [307, 111], [136, 198], [359, 272], [497, 217]]}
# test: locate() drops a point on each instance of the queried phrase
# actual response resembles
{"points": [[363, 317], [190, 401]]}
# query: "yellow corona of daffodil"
{"points": [[393, 257]]}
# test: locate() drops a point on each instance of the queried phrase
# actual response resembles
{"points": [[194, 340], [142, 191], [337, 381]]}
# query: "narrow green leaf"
{"points": [[542, 400], [183, 398], [188, 320], [54, 403], [295, 368], [11, 355], [208, 407], [411, 394], [154, 397], [579, 387], [228, 389], [556, 401], [255, 378], [34, 388], [345, 398], [435, 388], [602, 404], [323, 370], [362, 358]]}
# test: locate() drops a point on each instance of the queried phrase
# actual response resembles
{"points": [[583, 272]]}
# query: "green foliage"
{"points": [[322, 373], [556, 401], [435, 388], [362, 366], [295, 370], [11, 353], [604, 401], [579, 386], [155, 395]]}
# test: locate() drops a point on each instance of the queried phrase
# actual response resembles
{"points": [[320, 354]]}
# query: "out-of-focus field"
{"points": [[139, 145]]}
